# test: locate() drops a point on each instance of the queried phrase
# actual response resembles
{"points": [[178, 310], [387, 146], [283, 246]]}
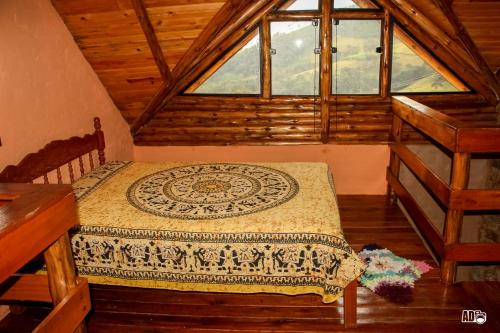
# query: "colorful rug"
{"points": [[390, 276]]}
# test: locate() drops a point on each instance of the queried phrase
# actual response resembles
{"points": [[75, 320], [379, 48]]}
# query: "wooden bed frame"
{"points": [[61, 153]]}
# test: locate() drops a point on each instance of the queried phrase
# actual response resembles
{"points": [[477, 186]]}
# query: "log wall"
{"points": [[222, 120], [195, 120]]}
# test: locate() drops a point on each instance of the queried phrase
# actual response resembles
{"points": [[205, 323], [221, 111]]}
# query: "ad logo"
{"points": [[473, 316]]}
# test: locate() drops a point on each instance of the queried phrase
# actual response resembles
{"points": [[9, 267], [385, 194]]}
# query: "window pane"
{"points": [[350, 4], [294, 67], [356, 65], [239, 75], [410, 73], [301, 5]]}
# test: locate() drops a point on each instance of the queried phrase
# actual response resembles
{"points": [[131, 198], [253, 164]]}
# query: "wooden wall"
{"points": [[209, 120], [200, 120]]}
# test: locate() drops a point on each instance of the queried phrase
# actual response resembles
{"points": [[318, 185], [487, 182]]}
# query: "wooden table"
{"points": [[34, 219]]}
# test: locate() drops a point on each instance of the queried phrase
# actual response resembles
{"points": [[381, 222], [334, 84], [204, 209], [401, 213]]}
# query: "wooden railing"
{"points": [[461, 139]]}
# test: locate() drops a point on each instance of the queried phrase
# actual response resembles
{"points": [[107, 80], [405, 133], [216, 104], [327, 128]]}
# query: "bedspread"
{"points": [[220, 227]]}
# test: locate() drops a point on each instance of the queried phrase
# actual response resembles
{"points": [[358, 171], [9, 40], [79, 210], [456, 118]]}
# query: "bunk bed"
{"points": [[223, 227]]}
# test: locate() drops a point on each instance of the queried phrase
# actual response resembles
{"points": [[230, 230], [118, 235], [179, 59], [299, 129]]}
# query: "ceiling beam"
{"points": [[433, 29], [226, 14], [462, 33], [221, 34], [154, 45]]}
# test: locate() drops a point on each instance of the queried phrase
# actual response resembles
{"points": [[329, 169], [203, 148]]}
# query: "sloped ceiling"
{"points": [[482, 21], [110, 36], [479, 17]]}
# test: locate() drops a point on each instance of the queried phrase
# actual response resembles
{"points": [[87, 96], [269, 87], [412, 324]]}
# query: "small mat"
{"points": [[390, 276]]}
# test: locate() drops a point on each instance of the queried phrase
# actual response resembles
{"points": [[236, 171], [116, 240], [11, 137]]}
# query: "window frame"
{"points": [[381, 60], [336, 13], [219, 62], [429, 53], [377, 8], [281, 8], [295, 19]]}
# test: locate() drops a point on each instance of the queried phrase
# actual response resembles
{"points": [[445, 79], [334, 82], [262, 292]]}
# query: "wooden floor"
{"points": [[366, 219]]}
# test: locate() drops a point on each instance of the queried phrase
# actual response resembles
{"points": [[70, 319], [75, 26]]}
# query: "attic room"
{"points": [[270, 165]]}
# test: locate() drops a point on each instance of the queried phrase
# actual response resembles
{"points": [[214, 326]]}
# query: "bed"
{"points": [[211, 227]]}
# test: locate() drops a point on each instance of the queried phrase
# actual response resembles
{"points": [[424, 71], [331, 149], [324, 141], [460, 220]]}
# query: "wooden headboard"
{"points": [[57, 154]]}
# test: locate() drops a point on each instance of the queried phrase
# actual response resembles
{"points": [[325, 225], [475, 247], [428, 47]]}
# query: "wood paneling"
{"points": [[228, 120], [177, 24], [481, 18], [111, 39], [224, 120]]}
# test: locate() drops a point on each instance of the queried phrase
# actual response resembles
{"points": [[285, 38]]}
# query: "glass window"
{"points": [[240, 74], [353, 4], [300, 5], [410, 73], [356, 63], [294, 65]]}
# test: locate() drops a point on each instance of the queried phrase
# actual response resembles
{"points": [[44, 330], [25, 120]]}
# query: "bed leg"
{"points": [[350, 300]]}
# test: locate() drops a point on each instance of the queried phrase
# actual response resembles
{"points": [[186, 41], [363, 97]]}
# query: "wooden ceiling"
{"points": [[482, 21], [141, 78], [111, 38]]}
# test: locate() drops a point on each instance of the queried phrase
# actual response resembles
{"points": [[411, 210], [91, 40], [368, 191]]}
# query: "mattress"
{"points": [[220, 227]]}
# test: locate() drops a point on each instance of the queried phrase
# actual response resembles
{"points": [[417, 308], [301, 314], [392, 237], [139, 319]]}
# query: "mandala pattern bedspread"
{"points": [[213, 227]]}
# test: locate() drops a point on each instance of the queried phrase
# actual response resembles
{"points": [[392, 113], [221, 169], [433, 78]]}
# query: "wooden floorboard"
{"points": [[365, 219]]}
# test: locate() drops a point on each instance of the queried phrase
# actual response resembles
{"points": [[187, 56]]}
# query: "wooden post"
{"points": [[266, 57], [385, 78], [326, 69], [350, 308], [453, 222], [101, 144], [61, 271], [395, 162]]}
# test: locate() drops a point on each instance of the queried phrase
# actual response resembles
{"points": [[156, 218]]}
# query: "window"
{"points": [[353, 4], [356, 63], [300, 5], [294, 65], [239, 72], [295, 58], [410, 73]]}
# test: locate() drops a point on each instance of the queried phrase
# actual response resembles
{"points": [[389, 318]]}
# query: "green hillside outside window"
{"points": [[294, 65], [239, 75], [356, 62], [410, 73]]}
